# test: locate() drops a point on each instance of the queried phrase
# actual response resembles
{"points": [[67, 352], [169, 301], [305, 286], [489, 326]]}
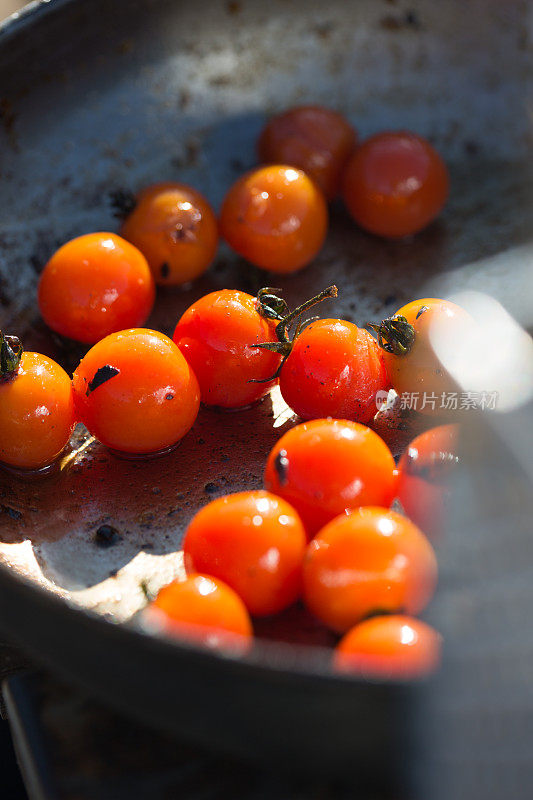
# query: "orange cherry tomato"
{"points": [[371, 560], [327, 467], [216, 335], [389, 647], [425, 474], [203, 610], [36, 411], [395, 184], [412, 363], [135, 392], [275, 217], [95, 285], [255, 542], [176, 229], [334, 369], [313, 138]]}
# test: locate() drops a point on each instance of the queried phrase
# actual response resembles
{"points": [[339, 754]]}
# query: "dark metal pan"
{"points": [[97, 96]]}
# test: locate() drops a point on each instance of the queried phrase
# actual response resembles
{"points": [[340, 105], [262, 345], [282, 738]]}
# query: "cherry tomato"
{"points": [[204, 610], [395, 184], [95, 285], [36, 409], [255, 542], [216, 335], [412, 364], [135, 392], [368, 561], [275, 217], [334, 369], [313, 138], [425, 473], [327, 467], [391, 647], [176, 229]]}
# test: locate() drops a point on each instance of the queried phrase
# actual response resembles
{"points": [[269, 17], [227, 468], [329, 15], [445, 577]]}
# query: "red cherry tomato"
{"points": [[389, 647], [425, 473], [327, 467], [216, 335], [176, 229], [36, 410], [334, 369], [253, 541], [95, 285], [368, 561], [275, 217], [204, 610], [135, 392], [410, 358], [315, 139], [395, 184]]}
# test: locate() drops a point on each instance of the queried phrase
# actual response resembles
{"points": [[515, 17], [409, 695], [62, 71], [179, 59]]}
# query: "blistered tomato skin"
{"points": [[135, 392], [36, 413], [328, 467], [420, 370], [176, 229], [390, 647], [395, 184], [275, 217], [203, 610], [426, 471], [216, 335], [371, 560], [95, 285], [316, 139], [335, 369], [255, 542]]}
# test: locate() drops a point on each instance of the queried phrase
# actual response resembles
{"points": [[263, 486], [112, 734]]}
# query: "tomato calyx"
{"points": [[10, 355], [123, 202], [395, 335], [274, 307]]}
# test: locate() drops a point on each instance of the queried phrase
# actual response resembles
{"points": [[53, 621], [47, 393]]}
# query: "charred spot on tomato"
{"points": [[123, 202], [107, 536], [101, 376], [164, 270], [281, 465], [421, 311], [169, 396]]}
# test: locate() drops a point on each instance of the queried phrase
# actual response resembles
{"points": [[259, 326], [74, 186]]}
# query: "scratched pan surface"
{"points": [[98, 96]]}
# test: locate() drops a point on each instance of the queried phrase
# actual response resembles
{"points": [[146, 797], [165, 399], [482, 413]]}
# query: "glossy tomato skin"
{"points": [[420, 370], [176, 229], [395, 184], [36, 413], [313, 138], [391, 647], [95, 285], [370, 560], [255, 542], [327, 467], [216, 335], [275, 217], [203, 610], [425, 473], [135, 392], [334, 369]]}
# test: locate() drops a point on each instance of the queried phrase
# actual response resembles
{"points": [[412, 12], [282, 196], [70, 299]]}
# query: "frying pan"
{"points": [[98, 96]]}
